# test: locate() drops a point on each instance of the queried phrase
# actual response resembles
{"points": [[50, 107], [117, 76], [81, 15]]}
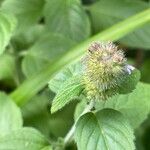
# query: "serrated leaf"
{"points": [[70, 90], [46, 50], [7, 27], [28, 12], [7, 66], [23, 139], [106, 129], [10, 115], [106, 13], [58, 80], [134, 106], [68, 18]]}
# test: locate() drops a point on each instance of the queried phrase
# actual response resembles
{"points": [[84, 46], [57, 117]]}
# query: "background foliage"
{"points": [[38, 39]]}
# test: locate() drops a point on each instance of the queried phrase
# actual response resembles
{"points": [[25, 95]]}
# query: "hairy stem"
{"points": [[71, 132]]}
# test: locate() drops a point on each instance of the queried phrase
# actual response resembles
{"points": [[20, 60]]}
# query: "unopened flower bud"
{"points": [[105, 69]]}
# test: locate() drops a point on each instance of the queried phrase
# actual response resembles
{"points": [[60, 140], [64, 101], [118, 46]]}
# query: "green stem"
{"points": [[34, 84], [71, 132]]}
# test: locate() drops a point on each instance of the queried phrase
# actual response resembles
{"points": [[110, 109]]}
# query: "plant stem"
{"points": [[35, 83], [70, 134]]}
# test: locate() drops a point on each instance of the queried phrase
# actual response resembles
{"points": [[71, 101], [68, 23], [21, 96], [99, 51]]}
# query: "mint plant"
{"points": [[74, 74], [104, 73]]}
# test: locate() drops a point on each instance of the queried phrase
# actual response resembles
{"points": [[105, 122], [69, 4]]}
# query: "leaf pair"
{"points": [[69, 87], [106, 127]]}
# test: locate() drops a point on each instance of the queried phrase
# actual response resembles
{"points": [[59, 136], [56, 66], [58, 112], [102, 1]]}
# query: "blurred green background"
{"points": [[47, 30]]}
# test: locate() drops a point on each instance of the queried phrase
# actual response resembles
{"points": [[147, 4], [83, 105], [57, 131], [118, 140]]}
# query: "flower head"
{"points": [[105, 68]]}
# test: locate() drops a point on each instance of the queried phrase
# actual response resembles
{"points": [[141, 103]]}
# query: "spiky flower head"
{"points": [[105, 68]]}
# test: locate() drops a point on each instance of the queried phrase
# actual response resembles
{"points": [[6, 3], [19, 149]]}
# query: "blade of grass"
{"points": [[35, 83]]}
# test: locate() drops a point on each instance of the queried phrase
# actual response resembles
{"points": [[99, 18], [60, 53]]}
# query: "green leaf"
{"points": [[134, 106], [7, 27], [130, 82], [46, 50], [80, 107], [10, 115], [106, 13], [58, 80], [145, 72], [106, 129], [70, 90], [126, 83], [7, 69], [26, 39], [34, 33], [47, 148], [38, 104], [68, 18], [35, 83], [23, 139], [36, 113], [1, 2], [28, 12]]}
